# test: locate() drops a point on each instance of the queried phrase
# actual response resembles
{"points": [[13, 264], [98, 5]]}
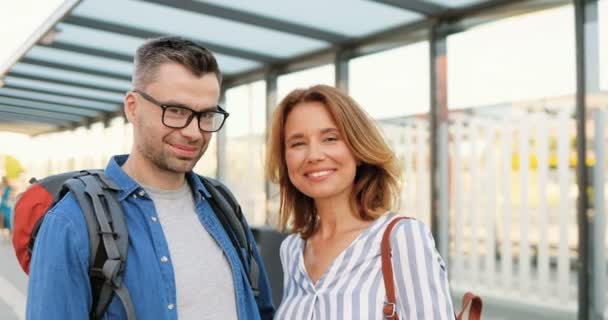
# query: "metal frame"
{"points": [[585, 21], [90, 51], [67, 67], [44, 106], [75, 84], [6, 107], [13, 86], [254, 20], [422, 7], [438, 55], [145, 34]]}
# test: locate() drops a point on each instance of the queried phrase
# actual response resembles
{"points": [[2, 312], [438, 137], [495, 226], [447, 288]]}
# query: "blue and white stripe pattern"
{"points": [[352, 287]]}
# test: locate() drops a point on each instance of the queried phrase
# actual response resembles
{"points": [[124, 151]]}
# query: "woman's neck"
{"points": [[336, 218]]}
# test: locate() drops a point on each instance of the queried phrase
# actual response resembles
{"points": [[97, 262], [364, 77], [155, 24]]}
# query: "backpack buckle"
{"points": [[111, 269], [389, 310]]}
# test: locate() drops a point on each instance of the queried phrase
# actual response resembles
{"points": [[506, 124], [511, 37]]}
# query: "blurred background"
{"points": [[496, 109]]}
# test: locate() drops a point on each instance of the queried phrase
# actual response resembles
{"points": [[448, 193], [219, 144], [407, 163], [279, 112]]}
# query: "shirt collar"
{"points": [[127, 185]]}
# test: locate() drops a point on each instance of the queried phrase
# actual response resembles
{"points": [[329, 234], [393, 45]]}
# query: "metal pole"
{"points": [[341, 66], [271, 190], [439, 140], [585, 281], [220, 169], [599, 217]]}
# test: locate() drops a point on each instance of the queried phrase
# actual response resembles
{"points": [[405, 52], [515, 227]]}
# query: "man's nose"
{"points": [[192, 130]]}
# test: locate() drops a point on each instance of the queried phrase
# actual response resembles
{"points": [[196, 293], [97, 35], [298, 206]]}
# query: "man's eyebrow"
{"points": [[172, 103]]}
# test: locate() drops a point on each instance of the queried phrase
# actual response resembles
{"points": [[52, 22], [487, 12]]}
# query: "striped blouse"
{"points": [[352, 286]]}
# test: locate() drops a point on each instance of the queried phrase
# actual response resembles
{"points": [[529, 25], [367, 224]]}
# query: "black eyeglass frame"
{"points": [[193, 114]]}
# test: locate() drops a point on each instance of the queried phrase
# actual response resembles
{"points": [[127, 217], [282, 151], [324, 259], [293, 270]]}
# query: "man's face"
{"points": [[168, 149]]}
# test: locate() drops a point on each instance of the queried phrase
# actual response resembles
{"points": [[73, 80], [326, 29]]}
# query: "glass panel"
{"points": [[306, 78], [79, 77], [382, 81], [362, 17], [512, 156], [245, 148], [168, 20], [128, 45], [18, 93], [80, 60], [393, 87], [59, 88]]}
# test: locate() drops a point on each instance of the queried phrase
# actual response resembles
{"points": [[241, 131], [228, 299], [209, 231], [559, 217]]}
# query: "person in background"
{"points": [[6, 197], [339, 182]]}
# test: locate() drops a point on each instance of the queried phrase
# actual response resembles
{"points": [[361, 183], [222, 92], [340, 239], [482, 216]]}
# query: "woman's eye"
{"points": [[331, 139], [296, 144]]}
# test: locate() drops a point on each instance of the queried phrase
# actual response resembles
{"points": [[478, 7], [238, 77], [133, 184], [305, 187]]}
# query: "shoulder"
{"points": [[289, 245], [66, 214], [411, 231]]}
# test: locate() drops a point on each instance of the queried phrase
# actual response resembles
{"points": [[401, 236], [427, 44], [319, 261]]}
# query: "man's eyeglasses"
{"points": [[178, 117]]}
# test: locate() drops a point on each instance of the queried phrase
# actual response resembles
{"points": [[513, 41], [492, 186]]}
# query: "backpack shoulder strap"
{"points": [[108, 235], [229, 212]]}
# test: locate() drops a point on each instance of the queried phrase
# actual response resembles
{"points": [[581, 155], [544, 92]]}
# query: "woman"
{"points": [[338, 181]]}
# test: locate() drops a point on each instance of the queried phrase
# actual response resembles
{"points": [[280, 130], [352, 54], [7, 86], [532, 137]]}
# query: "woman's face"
{"points": [[319, 162]]}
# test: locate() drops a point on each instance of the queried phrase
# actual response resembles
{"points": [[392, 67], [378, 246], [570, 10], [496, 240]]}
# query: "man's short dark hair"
{"points": [[155, 52]]}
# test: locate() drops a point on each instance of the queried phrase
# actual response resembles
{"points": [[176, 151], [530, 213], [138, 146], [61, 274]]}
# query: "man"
{"points": [[181, 263]]}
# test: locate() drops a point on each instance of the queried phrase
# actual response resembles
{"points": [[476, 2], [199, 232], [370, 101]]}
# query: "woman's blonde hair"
{"points": [[377, 181]]}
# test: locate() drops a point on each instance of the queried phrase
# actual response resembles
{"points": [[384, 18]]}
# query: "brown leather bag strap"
{"points": [[476, 306], [390, 306]]}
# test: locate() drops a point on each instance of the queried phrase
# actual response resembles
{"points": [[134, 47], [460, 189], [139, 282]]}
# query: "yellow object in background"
{"points": [[12, 167]]}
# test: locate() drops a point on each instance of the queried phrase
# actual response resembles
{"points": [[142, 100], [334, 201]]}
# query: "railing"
{"points": [[512, 202]]}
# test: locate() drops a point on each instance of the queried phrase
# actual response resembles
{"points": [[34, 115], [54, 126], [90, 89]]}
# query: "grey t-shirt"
{"points": [[205, 288]]}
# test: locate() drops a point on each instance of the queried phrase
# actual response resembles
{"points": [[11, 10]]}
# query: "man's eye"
{"points": [[208, 115], [176, 111]]}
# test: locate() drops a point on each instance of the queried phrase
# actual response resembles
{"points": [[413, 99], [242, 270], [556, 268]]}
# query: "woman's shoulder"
{"points": [[409, 226], [290, 242]]}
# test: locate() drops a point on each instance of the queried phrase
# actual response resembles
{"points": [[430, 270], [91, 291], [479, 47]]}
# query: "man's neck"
{"points": [[147, 173]]}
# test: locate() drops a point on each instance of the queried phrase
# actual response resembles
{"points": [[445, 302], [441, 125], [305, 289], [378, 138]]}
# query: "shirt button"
{"points": [[164, 259], [154, 218], [170, 306], [141, 193]]}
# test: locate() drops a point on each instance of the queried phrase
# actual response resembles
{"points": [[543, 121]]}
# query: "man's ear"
{"points": [[130, 106]]}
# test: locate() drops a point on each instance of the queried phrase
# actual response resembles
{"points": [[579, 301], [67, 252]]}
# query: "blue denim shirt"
{"points": [[59, 286]]}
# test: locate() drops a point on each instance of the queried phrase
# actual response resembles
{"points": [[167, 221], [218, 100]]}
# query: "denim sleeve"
{"points": [[265, 305], [59, 285]]}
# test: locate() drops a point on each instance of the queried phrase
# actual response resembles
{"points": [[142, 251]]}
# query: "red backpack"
{"points": [[96, 195], [107, 230]]}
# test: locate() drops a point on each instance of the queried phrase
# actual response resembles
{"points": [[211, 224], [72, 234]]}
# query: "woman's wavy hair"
{"points": [[377, 181]]}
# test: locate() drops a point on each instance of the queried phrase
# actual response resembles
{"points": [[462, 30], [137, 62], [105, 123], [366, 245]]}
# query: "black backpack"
{"points": [[96, 194]]}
